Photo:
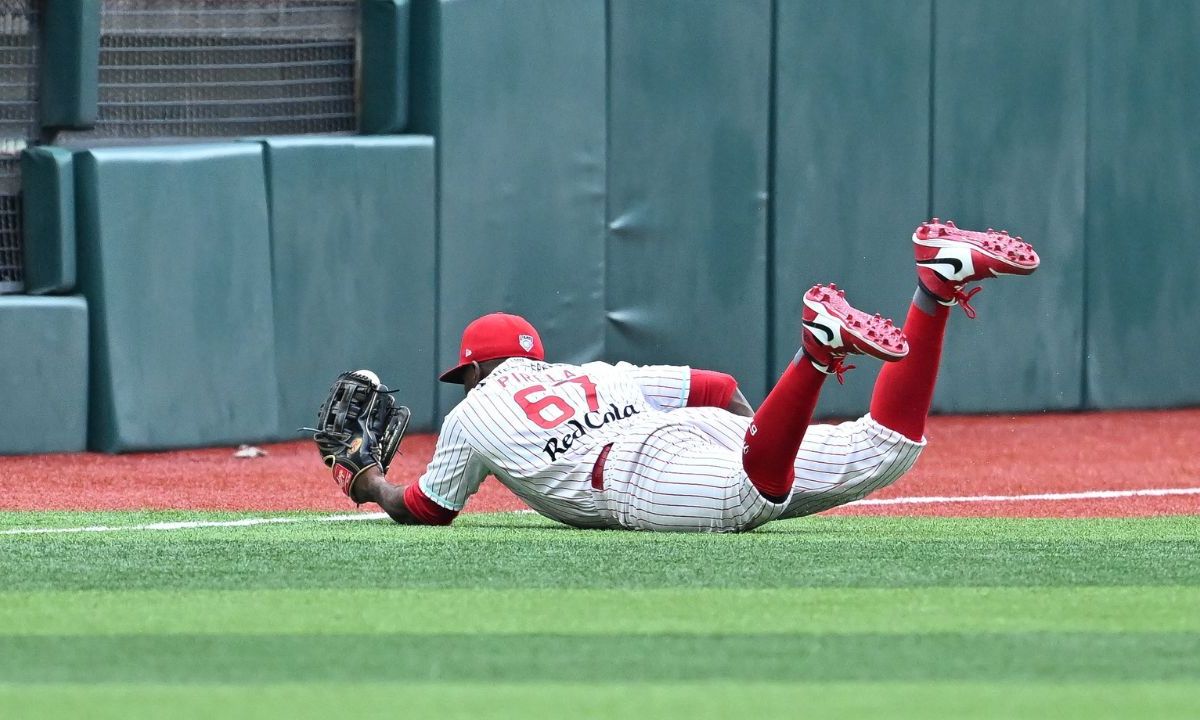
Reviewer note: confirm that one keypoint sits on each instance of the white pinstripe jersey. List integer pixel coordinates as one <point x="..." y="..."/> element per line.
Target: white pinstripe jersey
<point x="539" y="427"/>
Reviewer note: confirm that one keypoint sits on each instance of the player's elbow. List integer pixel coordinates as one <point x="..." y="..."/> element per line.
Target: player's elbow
<point x="407" y="517"/>
<point x="709" y="388"/>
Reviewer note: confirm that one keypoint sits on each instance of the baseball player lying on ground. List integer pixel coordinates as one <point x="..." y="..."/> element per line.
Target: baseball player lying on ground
<point x="663" y="447"/>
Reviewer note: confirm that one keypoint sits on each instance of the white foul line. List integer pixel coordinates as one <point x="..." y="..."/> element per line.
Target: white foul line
<point x="189" y="525"/>
<point x="1088" y="495"/>
<point x="933" y="499"/>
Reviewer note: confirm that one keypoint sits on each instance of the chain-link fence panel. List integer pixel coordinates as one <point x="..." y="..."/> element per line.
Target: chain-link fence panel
<point x="225" y="68"/>
<point x="18" y="125"/>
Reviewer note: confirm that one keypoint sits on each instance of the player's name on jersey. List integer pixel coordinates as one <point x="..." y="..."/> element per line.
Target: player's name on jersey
<point x="591" y="421"/>
<point x="551" y="374"/>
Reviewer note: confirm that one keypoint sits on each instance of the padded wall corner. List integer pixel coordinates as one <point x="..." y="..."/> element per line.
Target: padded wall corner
<point x="48" y="198"/>
<point x="385" y="51"/>
<point x="70" y="68"/>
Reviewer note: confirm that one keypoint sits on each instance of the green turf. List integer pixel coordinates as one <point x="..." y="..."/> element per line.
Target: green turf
<point x="691" y="701"/>
<point x="523" y="551"/>
<point x="240" y="659"/>
<point x="512" y="616"/>
<point x="697" y="611"/>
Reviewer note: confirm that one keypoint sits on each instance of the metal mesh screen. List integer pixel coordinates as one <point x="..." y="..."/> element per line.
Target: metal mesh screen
<point x="18" y="125"/>
<point x="219" y="68"/>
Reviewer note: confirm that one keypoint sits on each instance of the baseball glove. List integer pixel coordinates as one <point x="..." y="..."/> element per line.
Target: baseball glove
<point x="358" y="426"/>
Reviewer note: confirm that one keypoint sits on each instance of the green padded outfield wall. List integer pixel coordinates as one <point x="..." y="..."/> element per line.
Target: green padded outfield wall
<point x="70" y="64"/>
<point x="352" y="247"/>
<point x="851" y="165"/>
<point x="48" y="200"/>
<point x="1143" y="209"/>
<point x="174" y="258"/>
<point x="689" y="92"/>
<point x="1009" y="136"/>
<point x="44" y="353"/>
<point x="515" y="92"/>
<point x="384" y="53"/>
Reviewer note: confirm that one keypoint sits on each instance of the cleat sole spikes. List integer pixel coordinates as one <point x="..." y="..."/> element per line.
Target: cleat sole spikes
<point x="998" y="245"/>
<point x="949" y="257"/>
<point x="857" y="332"/>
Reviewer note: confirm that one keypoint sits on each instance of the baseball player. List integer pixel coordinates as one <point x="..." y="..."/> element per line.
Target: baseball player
<point x="669" y="448"/>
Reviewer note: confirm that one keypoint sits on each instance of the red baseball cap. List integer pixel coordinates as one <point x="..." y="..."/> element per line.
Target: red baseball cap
<point x="495" y="336"/>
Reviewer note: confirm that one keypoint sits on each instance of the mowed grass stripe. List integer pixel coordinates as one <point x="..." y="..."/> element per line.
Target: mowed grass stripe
<point x="1174" y="527"/>
<point x="599" y="659"/>
<point x="699" y="611"/>
<point x="693" y="701"/>
<point x="507" y="551"/>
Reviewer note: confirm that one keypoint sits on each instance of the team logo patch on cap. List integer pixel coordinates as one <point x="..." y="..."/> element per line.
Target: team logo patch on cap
<point x="526" y="342"/>
<point x="467" y="352"/>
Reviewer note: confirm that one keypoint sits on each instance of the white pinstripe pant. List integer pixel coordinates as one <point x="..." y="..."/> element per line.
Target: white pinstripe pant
<point x="688" y="477"/>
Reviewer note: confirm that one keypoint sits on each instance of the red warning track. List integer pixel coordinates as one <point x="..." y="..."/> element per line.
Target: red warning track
<point x="967" y="456"/>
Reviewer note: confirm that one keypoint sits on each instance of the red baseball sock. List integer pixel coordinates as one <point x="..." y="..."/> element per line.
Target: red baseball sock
<point x="778" y="428"/>
<point x="904" y="389"/>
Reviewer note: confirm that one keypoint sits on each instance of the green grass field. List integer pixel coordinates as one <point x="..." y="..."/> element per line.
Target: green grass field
<point x="511" y="616"/>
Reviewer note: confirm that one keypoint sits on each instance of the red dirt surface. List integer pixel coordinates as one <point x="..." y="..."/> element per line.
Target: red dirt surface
<point x="994" y="455"/>
<point x="1053" y="453"/>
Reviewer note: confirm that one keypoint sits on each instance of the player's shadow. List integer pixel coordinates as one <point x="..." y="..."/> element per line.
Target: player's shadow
<point x="792" y="527"/>
<point x="522" y="526"/>
<point x="797" y="526"/>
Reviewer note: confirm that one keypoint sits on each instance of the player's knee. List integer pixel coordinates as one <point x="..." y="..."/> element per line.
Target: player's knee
<point x="774" y="485"/>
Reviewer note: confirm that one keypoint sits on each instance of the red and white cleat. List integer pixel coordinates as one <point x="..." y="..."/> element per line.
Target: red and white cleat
<point x="833" y="329"/>
<point x="948" y="258"/>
